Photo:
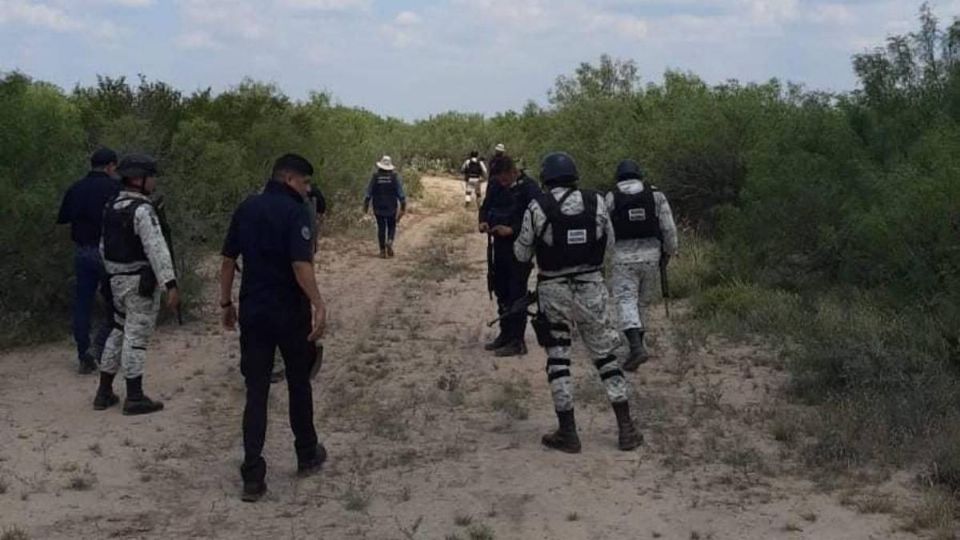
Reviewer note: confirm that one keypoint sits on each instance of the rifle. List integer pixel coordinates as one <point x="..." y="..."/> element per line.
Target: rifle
<point x="168" y="235"/>
<point x="664" y="282"/>
<point x="519" y="305"/>
<point x="491" y="277"/>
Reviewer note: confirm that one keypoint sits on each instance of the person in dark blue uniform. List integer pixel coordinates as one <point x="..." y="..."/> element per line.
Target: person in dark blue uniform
<point x="82" y="208"/>
<point x="278" y="300"/>
<point x="385" y="191"/>
<point x="501" y="216"/>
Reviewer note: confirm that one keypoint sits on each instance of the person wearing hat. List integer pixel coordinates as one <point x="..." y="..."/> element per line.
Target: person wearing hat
<point x="385" y="192"/>
<point x="280" y="308"/>
<point x="138" y="261"/>
<point x="645" y="231"/>
<point x="501" y="216"/>
<point x="82" y="208"/>
<point x="474" y="171"/>
<point x="568" y="230"/>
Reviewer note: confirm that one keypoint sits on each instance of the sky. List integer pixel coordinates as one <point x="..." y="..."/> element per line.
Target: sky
<point x="414" y="58"/>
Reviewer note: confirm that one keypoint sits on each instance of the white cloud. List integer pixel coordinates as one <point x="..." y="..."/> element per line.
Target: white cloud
<point x="407" y="18"/>
<point x="38" y="15"/>
<point x="325" y="5"/>
<point x="197" y="40"/>
<point x="626" y="26"/>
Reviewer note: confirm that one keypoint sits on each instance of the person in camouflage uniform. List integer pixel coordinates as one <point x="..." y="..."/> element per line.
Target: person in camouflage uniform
<point x="569" y="231"/>
<point x="645" y="231"/>
<point x="137" y="259"/>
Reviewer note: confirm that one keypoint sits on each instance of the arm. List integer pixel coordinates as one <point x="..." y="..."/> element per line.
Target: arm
<point x="228" y="270"/>
<point x="147" y="226"/>
<point x="300" y="250"/>
<point x="307" y="281"/>
<point x="368" y="195"/>
<point x="605" y="223"/>
<point x="523" y="247"/>
<point x="401" y="195"/>
<point x="667" y="226"/>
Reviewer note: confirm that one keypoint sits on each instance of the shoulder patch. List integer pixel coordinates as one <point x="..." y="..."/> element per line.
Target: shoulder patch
<point x="305" y="233"/>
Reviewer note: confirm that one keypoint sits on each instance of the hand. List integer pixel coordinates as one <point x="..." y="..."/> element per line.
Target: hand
<point x="319" y="323"/>
<point x="400" y="215"/>
<point x="173" y="299"/>
<point x="502" y="231"/>
<point x="229" y="317"/>
<point x="484" y="228"/>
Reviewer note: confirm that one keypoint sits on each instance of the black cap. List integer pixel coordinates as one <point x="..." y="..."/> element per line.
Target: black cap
<point x="629" y="169"/>
<point x="293" y="163"/>
<point x="103" y="157"/>
<point x="137" y="166"/>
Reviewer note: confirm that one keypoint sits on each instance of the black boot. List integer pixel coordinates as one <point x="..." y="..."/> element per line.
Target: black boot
<point x="254" y="480"/>
<point x="513" y="348"/>
<point x="87" y="365"/>
<point x="629" y="437"/>
<point x="498" y="342"/>
<point x="136" y="402"/>
<point x="565" y="437"/>
<point x="638" y="353"/>
<point x="390" y="250"/>
<point x="383" y="253"/>
<point x="105" y="397"/>
<point x="307" y="466"/>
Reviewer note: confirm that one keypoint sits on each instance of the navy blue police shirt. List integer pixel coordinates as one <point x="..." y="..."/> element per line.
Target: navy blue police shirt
<point x="270" y="231"/>
<point x="83" y="205"/>
<point x="506" y="205"/>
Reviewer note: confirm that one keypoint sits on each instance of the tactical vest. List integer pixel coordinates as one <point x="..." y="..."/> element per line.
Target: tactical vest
<point x="474" y="169"/>
<point x="120" y="241"/>
<point x="635" y="215"/>
<point x="575" y="240"/>
<point x="385" y="193"/>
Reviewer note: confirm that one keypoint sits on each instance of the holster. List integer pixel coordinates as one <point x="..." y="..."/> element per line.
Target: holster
<point x="543" y="327"/>
<point x="148" y="282"/>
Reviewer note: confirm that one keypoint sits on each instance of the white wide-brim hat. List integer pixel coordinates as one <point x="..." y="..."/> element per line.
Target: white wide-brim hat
<point x="500" y="148"/>
<point x="385" y="163"/>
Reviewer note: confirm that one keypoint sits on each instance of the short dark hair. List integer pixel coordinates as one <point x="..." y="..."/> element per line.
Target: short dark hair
<point x="294" y="163"/>
<point x="501" y="164"/>
<point x="102" y="157"/>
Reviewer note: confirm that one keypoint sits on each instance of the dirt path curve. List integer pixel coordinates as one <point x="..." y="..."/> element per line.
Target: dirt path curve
<point x="429" y="436"/>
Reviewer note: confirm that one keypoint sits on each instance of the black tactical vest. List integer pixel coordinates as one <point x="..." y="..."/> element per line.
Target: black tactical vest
<point x="575" y="240"/>
<point x="474" y="169"/>
<point x="385" y="193"/>
<point x="635" y="215"/>
<point x="120" y="241"/>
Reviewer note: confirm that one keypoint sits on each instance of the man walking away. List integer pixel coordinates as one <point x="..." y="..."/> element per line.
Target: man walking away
<point x="569" y="231"/>
<point x="137" y="258"/>
<point x="280" y="306"/>
<point x="501" y="217"/>
<point x="82" y="208"/>
<point x="474" y="171"/>
<point x="385" y="191"/>
<point x="645" y="232"/>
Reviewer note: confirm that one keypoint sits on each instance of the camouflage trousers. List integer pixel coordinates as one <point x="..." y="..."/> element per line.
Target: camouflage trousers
<point x="472" y="190"/>
<point x="634" y="287"/>
<point x="135" y="318"/>
<point x="568" y="303"/>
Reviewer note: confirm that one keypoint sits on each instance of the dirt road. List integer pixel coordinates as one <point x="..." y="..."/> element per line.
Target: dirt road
<point x="429" y="436"/>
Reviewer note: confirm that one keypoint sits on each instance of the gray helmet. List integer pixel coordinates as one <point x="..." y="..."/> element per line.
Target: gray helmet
<point x="558" y="168"/>
<point x="629" y="169"/>
<point x="137" y="166"/>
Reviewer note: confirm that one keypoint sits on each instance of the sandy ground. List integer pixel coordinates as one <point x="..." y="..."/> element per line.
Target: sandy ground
<point x="429" y="436"/>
